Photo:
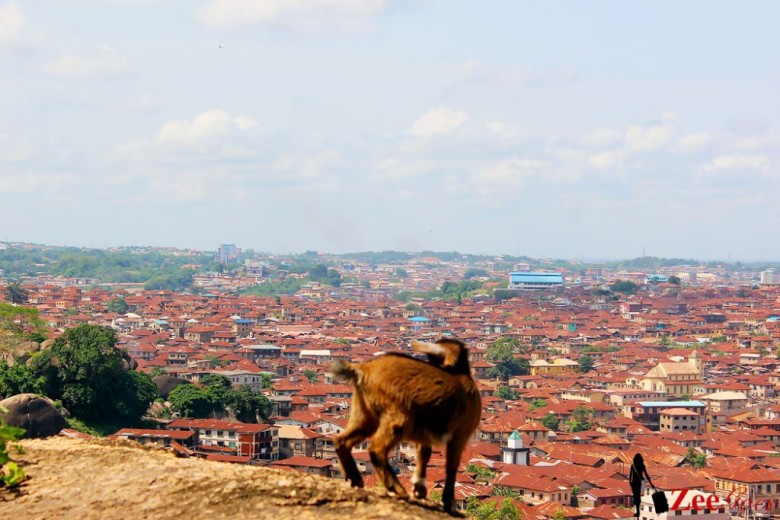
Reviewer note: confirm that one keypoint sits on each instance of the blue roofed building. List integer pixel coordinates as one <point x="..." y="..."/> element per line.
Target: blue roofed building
<point x="535" y="280"/>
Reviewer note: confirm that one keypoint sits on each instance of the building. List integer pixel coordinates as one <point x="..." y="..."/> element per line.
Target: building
<point x="535" y="281"/>
<point x="680" y="419"/>
<point x="649" y="412"/>
<point x="228" y="254"/>
<point x="676" y="379"/>
<point x="769" y="277"/>
<point x="558" y="366"/>
<point x="514" y="452"/>
<point x="256" y="441"/>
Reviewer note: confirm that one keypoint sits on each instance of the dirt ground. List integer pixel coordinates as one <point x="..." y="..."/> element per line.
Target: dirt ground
<point x="72" y="478"/>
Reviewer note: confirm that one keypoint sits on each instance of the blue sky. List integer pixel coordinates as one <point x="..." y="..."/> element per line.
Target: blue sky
<point x="580" y="129"/>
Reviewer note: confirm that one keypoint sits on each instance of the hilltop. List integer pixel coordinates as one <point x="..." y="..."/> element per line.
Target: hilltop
<point x="75" y="478"/>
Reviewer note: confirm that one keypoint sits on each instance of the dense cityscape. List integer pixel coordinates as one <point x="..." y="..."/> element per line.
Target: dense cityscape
<point x="579" y="365"/>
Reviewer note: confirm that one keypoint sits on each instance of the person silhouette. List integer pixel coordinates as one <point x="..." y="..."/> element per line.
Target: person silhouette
<point x="635" y="478"/>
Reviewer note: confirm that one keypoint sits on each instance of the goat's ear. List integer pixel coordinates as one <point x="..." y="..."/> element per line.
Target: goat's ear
<point x="438" y="355"/>
<point x="432" y="349"/>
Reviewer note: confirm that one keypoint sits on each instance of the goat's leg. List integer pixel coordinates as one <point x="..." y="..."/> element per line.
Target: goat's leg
<point x="418" y="480"/>
<point x="344" y="443"/>
<point x="454" y="450"/>
<point x="386" y="438"/>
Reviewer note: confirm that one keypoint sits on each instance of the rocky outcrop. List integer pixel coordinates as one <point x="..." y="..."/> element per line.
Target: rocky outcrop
<point x="101" y="479"/>
<point x="166" y="384"/>
<point x="36" y="414"/>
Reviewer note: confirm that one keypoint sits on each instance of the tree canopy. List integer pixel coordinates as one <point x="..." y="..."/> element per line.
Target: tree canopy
<point x="83" y="367"/>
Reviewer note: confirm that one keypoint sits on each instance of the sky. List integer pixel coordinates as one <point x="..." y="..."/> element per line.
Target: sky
<point x="563" y="129"/>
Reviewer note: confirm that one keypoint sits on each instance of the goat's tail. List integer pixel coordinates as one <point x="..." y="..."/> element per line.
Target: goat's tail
<point x="343" y="372"/>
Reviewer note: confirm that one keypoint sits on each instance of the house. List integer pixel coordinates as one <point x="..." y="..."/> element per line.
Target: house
<point x="256" y="441"/>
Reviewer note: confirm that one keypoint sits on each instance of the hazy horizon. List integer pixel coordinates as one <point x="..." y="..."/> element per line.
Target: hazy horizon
<point x="544" y="129"/>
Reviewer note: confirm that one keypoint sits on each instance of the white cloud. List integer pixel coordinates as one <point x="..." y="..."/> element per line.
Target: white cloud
<point x="104" y="61"/>
<point x="504" y="175"/>
<point x="203" y="128"/>
<point x="438" y="121"/>
<point x="645" y="138"/>
<point x="297" y="13"/>
<point x="692" y="143"/>
<point x="600" y="137"/>
<point x="503" y="131"/>
<point x="606" y="159"/>
<point x="738" y="162"/>
<point x="11" y="24"/>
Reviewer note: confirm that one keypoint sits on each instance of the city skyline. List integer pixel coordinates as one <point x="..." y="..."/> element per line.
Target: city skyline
<point x="552" y="130"/>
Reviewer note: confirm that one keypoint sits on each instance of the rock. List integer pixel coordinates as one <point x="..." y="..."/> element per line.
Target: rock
<point x="36" y="414"/>
<point x="165" y="384"/>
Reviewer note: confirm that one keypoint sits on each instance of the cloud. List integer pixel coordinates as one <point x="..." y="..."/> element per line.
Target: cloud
<point x="738" y="162"/>
<point x="505" y="175"/>
<point x="645" y="138"/>
<point x="206" y="127"/>
<point x="607" y="159"/>
<point x="301" y="14"/>
<point x="438" y="121"/>
<point x="11" y="24"/>
<point x="600" y="137"/>
<point x="105" y="61"/>
<point x="692" y="143"/>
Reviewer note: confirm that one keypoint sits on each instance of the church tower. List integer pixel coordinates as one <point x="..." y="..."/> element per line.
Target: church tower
<point x="513" y="452"/>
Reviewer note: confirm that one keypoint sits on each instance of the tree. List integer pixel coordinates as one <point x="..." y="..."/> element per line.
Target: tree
<point x="674" y="280"/>
<point x="537" y="403"/>
<point x="501" y="354"/>
<point x="311" y="375"/>
<point x="117" y="305"/>
<point x="696" y="459"/>
<point x="624" y="286"/>
<point x="157" y="371"/>
<point x="586" y="364"/>
<point x="508" y="393"/>
<point x="19" y="324"/>
<point x="16" y="293"/>
<point x="550" y="421"/>
<point x="506" y="510"/>
<point x="92" y="377"/>
<point x="247" y="404"/>
<point x="18" y="379"/>
<point x="190" y="401"/>
<point x="581" y="419"/>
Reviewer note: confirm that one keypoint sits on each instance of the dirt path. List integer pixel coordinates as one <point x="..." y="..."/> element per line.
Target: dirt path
<point x="77" y="479"/>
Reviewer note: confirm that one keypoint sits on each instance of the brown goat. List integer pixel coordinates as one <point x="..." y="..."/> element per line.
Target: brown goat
<point x="398" y="397"/>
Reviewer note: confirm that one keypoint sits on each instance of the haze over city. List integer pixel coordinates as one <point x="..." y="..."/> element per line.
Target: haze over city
<point x="548" y="129"/>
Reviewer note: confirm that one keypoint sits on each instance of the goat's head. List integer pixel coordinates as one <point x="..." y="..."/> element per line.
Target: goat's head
<point x="448" y="354"/>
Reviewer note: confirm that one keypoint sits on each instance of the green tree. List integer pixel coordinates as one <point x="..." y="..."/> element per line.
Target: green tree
<point x="581" y="419"/>
<point x="537" y="403"/>
<point x="586" y="364"/>
<point x="190" y="401"/>
<point x="508" y="393"/>
<point x="311" y="375"/>
<point x="117" y="305"/>
<point x="550" y="421"/>
<point x="91" y="376"/>
<point x="11" y="474"/>
<point x="247" y="404"/>
<point x="624" y="286"/>
<point x="19" y="379"/>
<point x="506" y="510"/>
<point x="696" y="459"/>
<point x="157" y="371"/>
<point x="501" y="354"/>
<point x="675" y="280"/>
<point x="18" y="323"/>
<point x="16" y="293"/>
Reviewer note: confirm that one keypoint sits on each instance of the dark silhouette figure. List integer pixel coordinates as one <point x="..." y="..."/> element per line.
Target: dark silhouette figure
<point x="637" y="473"/>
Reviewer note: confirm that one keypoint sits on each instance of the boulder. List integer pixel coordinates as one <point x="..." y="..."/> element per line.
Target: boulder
<point x="36" y="414"/>
<point x="165" y="384"/>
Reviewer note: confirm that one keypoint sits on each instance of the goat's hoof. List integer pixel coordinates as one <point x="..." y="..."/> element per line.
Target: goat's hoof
<point x="420" y="491"/>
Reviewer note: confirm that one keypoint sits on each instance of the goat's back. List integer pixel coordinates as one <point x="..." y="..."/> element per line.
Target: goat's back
<point x="441" y="403"/>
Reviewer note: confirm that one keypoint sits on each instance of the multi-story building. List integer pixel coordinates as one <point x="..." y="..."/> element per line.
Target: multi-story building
<point x="257" y="441"/>
<point x="228" y="254"/>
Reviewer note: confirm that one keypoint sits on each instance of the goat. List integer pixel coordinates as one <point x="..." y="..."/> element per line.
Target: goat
<point x="398" y="397"/>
